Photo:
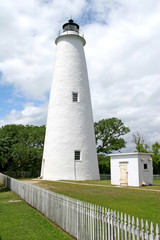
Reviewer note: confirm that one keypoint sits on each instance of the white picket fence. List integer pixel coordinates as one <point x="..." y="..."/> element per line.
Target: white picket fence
<point x="84" y="221"/>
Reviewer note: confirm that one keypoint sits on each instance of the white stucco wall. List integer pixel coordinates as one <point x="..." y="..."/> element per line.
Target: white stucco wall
<point x="146" y="175"/>
<point x="135" y="167"/>
<point x="70" y="124"/>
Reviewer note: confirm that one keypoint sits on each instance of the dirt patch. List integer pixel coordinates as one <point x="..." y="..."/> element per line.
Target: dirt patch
<point x="12" y="201"/>
<point x="31" y="181"/>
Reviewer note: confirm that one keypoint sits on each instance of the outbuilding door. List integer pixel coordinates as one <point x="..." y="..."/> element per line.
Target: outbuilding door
<point x="123" y="174"/>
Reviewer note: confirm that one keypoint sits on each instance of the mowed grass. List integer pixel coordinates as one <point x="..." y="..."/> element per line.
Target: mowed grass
<point x="19" y="221"/>
<point x="143" y="202"/>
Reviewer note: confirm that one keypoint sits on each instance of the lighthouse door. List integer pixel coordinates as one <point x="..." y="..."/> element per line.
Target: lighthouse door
<point x="123" y="174"/>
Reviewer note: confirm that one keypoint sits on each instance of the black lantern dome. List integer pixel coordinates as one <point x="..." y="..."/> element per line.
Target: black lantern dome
<point x="70" y="26"/>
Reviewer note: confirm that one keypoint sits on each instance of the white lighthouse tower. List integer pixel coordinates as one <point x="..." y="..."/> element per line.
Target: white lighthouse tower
<point x="70" y="149"/>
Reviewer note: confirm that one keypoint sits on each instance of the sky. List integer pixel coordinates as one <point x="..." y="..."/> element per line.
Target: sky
<point x="122" y="53"/>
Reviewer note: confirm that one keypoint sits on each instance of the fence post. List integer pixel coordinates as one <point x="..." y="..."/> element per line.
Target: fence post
<point x="111" y="213"/>
<point x="97" y="222"/>
<point x="118" y="226"/>
<point x="147" y="231"/>
<point x="133" y="228"/>
<point x="91" y="221"/>
<point x="122" y="234"/>
<point x="103" y="224"/>
<point x="109" y="232"/>
<point x="142" y="229"/>
<point x="152" y="232"/>
<point x="157" y="232"/>
<point x="100" y="222"/>
<point x="129" y="227"/>
<point x="125" y="227"/>
<point x="77" y="220"/>
<point x="137" y="230"/>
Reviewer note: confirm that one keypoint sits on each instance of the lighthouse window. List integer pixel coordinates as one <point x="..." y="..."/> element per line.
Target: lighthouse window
<point x="77" y="155"/>
<point x="74" y="96"/>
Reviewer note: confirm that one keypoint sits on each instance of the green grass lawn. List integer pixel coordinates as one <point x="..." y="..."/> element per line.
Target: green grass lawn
<point x="136" y="202"/>
<point x="19" y="221"/>
<point x="108" y="183"/>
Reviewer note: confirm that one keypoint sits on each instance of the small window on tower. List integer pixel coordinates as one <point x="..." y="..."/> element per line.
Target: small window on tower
<point x="75" y="96"/>
<point x="77" y="155"/>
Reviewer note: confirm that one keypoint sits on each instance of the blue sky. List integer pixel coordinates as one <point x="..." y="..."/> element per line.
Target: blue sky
<point x="122" y="53"/>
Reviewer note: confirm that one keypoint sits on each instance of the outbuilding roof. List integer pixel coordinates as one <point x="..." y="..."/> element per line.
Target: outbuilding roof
<point x="127" y="154"/>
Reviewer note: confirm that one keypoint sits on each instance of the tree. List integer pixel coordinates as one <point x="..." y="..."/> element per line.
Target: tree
<point x="156" y="148"/>
<point x="141" y="146"/>
<point x="5" y="152"/>
<point x="108" y="135"/>
<point x="138" y="139"/>
<point x="21" y="148"/>
<point x="104" y="164"/>
<point x="156" y="158"/>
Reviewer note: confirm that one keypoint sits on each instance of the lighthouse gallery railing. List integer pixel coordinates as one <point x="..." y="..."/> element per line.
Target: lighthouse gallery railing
<point x="79" y="33"/>
<point x="84" y="221"/>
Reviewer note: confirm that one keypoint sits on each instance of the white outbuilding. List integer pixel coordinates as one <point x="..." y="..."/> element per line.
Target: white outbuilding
<point x="131" y="169"/>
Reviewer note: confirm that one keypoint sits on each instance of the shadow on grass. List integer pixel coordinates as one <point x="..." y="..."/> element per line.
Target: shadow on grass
<point x="3" y="189"/>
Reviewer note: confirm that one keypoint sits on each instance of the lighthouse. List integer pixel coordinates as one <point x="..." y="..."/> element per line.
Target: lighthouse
<point x="70" y="148"/>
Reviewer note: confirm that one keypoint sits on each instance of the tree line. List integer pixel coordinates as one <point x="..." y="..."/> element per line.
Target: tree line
<point x="21" y="147"/>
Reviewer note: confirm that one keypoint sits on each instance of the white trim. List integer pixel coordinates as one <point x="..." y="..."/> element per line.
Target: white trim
<point x="70" y="35"/>
<point x="126" y="154"/>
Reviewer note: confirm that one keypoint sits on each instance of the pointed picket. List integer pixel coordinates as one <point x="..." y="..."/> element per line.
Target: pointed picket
<point x="157" y="232"/>
<point x="147" y="231"/>
<point x="152" y="231"/>
<point x="125" y="226"/>
<point x="118" y="226"/>
<point x="122" y="226"/>
<point x="137" y="229"/>
<point x="106" y="223"/>
<point x="103" y="226"/>
<point x="133" y="228"/>
<point x="142" y="230"/>
<point x="111" y="224"/>
<point x="115" y="225"/>
<point x="129" y="227"/>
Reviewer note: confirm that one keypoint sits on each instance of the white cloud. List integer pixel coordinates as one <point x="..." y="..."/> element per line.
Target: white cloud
<point x="29" y="29"/>
<point x="123" y="62"/>
<point x="30" y="114"/>
<point x="122" y="54"/>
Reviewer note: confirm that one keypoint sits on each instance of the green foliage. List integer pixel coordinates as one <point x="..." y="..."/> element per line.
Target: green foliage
<point x="141" y="146"/>
<point x="104" y="164"/>
<point x="108" y="135"/>
<point x="156" y="148"/>
<point x="5" y="151"/>
<point x="21" y="148"/>
<point x="156" y="158"/>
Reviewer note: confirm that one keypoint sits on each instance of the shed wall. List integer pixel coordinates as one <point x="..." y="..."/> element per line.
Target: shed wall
<point x="137" y="175"/>
<point x="146" y="175"/>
